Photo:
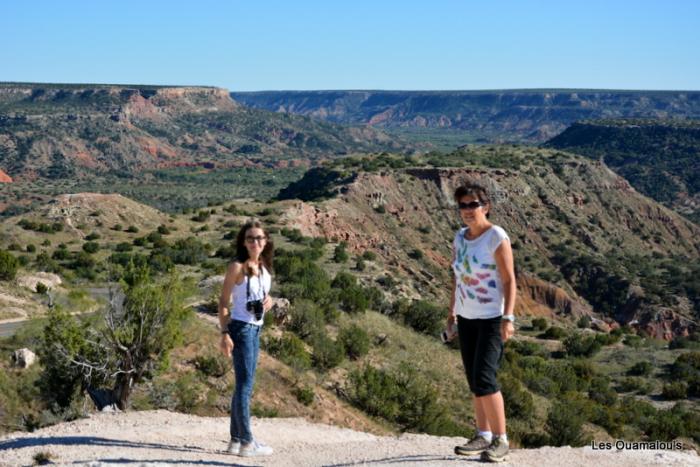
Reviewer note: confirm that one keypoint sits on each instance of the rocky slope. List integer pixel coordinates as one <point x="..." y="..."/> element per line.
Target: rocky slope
<point x="660" y="158"/>
<point x="584" y="239"/>
<point x="162" y="438"/>
<point x="64" y="131"/>
<point x="507" y="115"/>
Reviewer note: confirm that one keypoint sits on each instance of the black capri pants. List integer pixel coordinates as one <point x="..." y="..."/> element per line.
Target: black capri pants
<point x="482" y="349"/>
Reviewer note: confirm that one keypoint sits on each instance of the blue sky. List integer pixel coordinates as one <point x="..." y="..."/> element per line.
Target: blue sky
<point x="432" y="44"/>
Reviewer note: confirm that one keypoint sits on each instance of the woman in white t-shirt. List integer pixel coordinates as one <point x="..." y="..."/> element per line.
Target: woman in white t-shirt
<point x="483" y="297"/>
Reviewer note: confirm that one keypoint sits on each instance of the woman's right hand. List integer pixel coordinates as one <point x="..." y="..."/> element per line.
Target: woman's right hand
<point x="226" y="345"/>
<point x="451" y="319"/>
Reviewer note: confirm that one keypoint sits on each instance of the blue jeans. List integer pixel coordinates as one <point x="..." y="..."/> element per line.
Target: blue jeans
<point x="246" y="345"/>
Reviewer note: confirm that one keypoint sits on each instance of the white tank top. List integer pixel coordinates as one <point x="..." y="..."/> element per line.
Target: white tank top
<point x="259" y="288"/>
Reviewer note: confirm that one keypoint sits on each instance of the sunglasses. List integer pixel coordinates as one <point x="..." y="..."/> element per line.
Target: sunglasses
<point x="259" y="239"/>
<point x="471" y="205"/>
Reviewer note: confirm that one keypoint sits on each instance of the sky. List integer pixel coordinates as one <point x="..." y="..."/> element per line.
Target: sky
<point x="405" y="45"/>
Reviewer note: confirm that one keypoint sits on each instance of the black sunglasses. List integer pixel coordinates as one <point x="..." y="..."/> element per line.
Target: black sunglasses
<point x="470" y="205"/>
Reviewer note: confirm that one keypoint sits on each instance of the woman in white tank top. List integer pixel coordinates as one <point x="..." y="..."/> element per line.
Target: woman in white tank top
<point x="245" y="297"/>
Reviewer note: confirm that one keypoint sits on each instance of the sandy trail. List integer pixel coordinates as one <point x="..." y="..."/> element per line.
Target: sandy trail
<point x="164" y="438"/>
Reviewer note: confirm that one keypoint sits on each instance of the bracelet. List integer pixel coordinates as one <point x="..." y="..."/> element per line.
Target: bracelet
<point x="510" y="318"/>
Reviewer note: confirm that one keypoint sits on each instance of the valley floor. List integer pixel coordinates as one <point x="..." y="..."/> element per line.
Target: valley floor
<point x="166" y="438"/>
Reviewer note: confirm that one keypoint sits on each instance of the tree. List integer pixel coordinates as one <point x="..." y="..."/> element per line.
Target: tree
<point x="141" y="325"/>
<point x="8" y="266"/>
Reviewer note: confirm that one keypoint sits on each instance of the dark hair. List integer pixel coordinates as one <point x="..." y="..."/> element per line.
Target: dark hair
<point x="472" y="189"/>
<point x="242" y="251"/>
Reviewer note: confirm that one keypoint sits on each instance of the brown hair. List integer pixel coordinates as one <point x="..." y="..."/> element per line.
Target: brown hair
<point x="242" y="251"/>
<point x="478" y="191"/>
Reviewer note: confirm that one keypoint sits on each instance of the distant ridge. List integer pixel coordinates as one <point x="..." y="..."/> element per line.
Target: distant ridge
<point x="510" y="115"/>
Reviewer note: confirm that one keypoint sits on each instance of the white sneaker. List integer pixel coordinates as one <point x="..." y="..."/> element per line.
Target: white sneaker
<point x="234" y="447"/>
<point x="255" y="449"/>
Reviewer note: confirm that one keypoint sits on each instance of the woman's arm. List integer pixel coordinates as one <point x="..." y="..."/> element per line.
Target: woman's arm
<point x="452" y="315"/>
<point x="506" y="270"/>
<point x="232" y="275"/>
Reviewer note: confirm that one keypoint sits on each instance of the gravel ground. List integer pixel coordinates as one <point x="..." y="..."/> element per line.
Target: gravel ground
<point x="163" y="438"/>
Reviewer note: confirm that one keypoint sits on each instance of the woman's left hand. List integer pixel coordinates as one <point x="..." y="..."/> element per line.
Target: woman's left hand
<point x="267" y="303"/>
<point x="507" y="330"/>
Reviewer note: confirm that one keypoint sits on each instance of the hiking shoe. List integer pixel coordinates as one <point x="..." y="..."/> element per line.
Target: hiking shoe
<point x="473" y="446"/>
<point x="254" y="448"/>
<point x="234" y="447"/>
<point x="496" y="452"/>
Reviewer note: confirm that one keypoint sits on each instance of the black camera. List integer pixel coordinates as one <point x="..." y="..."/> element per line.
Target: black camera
<point x="255" y="307"/>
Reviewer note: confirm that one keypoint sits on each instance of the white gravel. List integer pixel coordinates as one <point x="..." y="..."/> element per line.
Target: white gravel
<point x="164" y="438"/>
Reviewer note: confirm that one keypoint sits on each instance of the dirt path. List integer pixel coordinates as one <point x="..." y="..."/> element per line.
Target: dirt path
<point x="164" y="438"/>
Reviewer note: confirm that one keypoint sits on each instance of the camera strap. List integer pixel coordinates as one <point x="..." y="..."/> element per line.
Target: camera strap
<point x="260" y="282"/>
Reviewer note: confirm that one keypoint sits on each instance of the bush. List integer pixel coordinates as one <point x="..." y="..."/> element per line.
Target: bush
<point x="415" y="254"/>
<point x="307" y="319"/>
<point x="554" y="333"/>
<point x="675" y="390"/>
<point x="425" y="317"/>
<point x="91" y="247"/>
<point x="304" y="394"/>
<point x="401" y="396"/>
<point x="518" y="401"/>
<point x="584" y="322"/>
<point x="340" y="255"/>
<point x="564" y="424"/>
<point x="92" y="236"/>
<point x="643" y="368"/>
<point x="369" y="255"/>
<point x="211" y="365"/>
<point x="539" y="324"/>
<point x="30" y="248"/>
<point x="327" y="353"/>
<point x="578" y="345"/>
<point x="8" y="266"/>
<point x="132" y="229"/>
<point x="355" y="341"/>
<point x="41" y="288"/>
<point x="360" y="265"/>
<point x="289" y="349"/>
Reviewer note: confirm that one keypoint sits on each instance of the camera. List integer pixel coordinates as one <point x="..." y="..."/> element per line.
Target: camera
<point x="255" y="307"/>
<point x="449" y="333"/>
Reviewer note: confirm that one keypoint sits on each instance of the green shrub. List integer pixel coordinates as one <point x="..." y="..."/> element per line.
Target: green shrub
<point x="30" y="248"/>
<point x="360" y="265"/>
<point x="554" y="333"/>
<point x="306" y="319"/>
<point x="518" y="401"/>
<point x="211" y="365"/>
<point x="289" y="349"/>
<point x="643" y="368"/>
<point x="8" y="266"/>
<point x="564" y="424"/>
<point x="187" y="392"/>
<point x="415" y="254"/>
<point x="675" y="390"/>
<point x="132" y="229"/>
<point x="340" y="254"/>
<point x="355" y="341"/>
<point x="92" y="236"/>
<point x="304" y="394"/>
<point x="369" y="255"/>
<point x="327" y="353"/>
<point x="41" y="288"/>
<point x="584" y="322"/>
<point x="539" y="324"/>
<point x="380" y="209"/>
<point x="402" y="396"/>
<point x="91" y="247"/>
<point x="424" y="317"/>
<point x="579" y="345"/>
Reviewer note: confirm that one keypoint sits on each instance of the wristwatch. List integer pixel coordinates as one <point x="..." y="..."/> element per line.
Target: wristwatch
<point x="224" y="331"/>
<point x="510" y="318"/>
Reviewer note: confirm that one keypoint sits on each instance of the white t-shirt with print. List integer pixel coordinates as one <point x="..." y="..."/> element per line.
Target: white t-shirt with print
<point x="479" y="289"/>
